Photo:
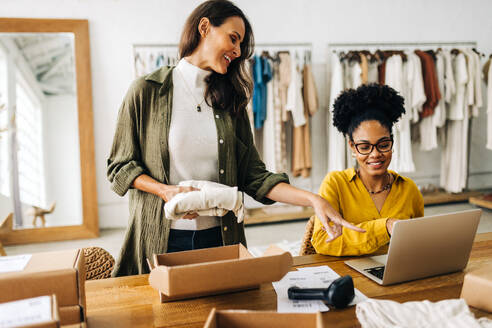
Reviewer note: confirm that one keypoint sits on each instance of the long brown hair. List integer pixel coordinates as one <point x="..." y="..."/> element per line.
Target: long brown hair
<point x="230" y="91"/>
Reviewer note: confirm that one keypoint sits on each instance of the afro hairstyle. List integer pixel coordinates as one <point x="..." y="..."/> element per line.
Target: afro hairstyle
<point x="366" y="103"/>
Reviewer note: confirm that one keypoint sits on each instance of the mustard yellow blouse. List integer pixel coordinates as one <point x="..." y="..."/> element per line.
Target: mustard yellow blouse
<point x="347" y="194"/>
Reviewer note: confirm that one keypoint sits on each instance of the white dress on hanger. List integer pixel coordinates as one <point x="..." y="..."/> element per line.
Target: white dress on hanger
<point x="336" y="140"/>
<point x="295" y="102"/>
<point x="394" y="78"/>
<point x="454" y="155"/>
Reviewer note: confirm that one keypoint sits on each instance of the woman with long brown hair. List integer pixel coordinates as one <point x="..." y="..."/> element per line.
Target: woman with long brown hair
<point x="207" y="137"/>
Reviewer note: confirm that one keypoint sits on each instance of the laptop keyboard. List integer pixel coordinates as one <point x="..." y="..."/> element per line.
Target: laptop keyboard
<point x="377" y="271"/>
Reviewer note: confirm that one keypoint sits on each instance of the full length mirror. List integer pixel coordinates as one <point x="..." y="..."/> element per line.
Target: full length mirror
<point x="39" y="169"/>
<point x="47" y="181"/>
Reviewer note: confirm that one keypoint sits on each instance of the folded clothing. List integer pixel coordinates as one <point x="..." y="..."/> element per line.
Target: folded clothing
<point x="448" y="313"/>
<point x="213" y="199"/>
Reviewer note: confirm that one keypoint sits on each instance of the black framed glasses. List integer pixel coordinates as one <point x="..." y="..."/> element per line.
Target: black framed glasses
<point x="383" y="146"/>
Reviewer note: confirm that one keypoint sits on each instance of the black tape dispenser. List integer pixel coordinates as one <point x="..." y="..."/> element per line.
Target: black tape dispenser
<point x="339" y="294"/>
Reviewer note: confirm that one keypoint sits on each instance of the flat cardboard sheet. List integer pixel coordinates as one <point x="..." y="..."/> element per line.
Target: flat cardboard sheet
<point x="262" y="319"/>
<point x="215" y="270"/>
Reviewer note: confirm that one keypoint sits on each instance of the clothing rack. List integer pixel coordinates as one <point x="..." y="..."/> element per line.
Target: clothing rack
<point x="167" y="53"/>
<point x="372" y="46"/>
<point x="351" y="46"/>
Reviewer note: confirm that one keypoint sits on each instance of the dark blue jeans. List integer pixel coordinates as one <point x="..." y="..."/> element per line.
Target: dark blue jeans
<point x="185" y="240"/>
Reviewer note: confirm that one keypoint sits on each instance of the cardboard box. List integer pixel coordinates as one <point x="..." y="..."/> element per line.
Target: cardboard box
<point x="262" y="319"/>
<point x="477" y="288"/>
<point x="70" y="315"/>
<point x="216" y="270"/>
<point x="61" y="273"/>
<point x="30" y="313"/>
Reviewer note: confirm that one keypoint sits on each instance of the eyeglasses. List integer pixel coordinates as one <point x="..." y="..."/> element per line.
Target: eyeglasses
<point x="383" y="146"/>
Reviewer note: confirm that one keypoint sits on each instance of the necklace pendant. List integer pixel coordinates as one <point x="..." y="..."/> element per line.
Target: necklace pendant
<point x="198" y="108"/>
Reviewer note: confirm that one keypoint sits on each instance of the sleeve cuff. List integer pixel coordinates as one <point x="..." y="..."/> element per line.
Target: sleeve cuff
<point x="267" y="185"/>
<point x="380" y="232"/>
<point x="125" y="177"/>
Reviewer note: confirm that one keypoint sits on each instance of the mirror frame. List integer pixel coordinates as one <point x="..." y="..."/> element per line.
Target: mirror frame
<point x="90" y="222"/>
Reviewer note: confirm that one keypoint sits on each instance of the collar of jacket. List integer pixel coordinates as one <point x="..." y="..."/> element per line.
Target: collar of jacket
<point x="163" y="76"/>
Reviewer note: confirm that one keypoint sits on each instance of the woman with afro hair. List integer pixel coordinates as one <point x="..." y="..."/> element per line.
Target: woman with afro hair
<point x="370" y="196"/>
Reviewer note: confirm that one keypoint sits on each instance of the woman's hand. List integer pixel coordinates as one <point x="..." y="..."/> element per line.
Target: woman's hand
<point x="167" y="192"/>
<point x="332" y="220"/>
<point x="390" y="223"/>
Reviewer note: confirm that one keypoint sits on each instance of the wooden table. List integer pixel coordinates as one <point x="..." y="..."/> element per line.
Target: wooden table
<point x="131" y="302"/>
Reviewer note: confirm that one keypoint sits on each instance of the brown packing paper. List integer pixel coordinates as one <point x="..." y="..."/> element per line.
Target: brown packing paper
<point x="61" y="273"/>
<point x="70" y="315"/>
<point x="477" y="288"/>
<point x="261" y="319"/>
<point x="215" y="270"/>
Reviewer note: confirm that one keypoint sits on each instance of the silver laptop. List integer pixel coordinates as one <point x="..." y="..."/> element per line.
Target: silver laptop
<point x="423" y="247"/>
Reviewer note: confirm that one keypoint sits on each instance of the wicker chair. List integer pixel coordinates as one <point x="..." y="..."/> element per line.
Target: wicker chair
<point x="98" y="263"/>
<point x="306" y="246"/>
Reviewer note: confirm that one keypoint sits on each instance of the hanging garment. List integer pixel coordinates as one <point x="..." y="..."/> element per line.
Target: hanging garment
<point x="372" y="72"/>
<point x="477" y="83"/>
<point x="262" y="74"/>
<point x="455" y="152"/>
<point x="269" y="154"/>
<point x="394" y="78"/>
<point x="440" y="110"/>
<point x="301" y="138"/>
<point x="285" y="75"/>
<point x="416" y="86"/>
<point x="280" y="137"/>
<point x="336" y="140"/>
<point x="489" y="107"/>
<point x="485" y="71"/>
<point x="457" y="105"/>
<point x="431" y="87"/>
<point x="449" y="81"/>
<point x="354" y="81"/>
<point x="294" y="95"/>
<point x="364" y="68"/>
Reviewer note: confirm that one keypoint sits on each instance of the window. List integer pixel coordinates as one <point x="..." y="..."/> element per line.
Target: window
<point x="4" y="163"/>
<point x="30" y="161"/>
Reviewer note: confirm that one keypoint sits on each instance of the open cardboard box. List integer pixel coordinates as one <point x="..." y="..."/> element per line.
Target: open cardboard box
<point x="262" y="319"/>
<point x="29" y="313"/>
<point x="61" y="273"/>
<point x="216" y="270"/>
<point x="477" y="288"/>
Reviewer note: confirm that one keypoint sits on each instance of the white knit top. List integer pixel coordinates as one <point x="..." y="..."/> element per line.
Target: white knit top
<point x="193" y="147"/>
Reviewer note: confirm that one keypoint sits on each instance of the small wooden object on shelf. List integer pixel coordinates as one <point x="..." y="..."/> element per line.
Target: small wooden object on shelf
<point x="6" y="225"/>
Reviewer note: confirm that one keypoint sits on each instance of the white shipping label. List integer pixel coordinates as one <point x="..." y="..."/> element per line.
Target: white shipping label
<point x="14" y="263"/>
<point x="26" y="312"/>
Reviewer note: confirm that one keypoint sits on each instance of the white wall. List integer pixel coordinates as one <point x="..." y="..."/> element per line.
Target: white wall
<point x="117" y="24"/>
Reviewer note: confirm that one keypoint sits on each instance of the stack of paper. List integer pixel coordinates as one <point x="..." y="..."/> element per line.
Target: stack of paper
<point x="309" y="277"/>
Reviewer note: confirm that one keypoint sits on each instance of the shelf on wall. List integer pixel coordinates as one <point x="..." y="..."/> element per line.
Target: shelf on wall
<point x="283" y="213"/>
<point x="481" y="201"/>
<point x="442" y="197"/>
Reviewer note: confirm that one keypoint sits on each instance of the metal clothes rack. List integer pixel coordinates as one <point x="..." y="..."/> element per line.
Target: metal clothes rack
<point x="371" y="46"/>
<point x="161" y="54"/>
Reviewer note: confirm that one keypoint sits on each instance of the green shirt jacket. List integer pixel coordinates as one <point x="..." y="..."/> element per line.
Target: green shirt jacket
<point x="140" y="146"/>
